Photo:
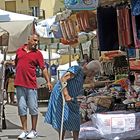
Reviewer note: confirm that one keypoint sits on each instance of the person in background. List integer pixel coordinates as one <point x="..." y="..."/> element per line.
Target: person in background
<point x="85" y="60"/>
<point x="71" y="86"/>
<point x="28" y="57"/>
<point x="10" y="88"/>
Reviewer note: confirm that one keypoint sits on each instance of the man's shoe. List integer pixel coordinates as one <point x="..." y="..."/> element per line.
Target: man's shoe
<point x="32" y="134"/>
<point x="23" y="135"/>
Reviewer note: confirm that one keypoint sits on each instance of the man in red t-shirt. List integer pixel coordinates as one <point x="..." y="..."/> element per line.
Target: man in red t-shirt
<point x="28" y="57"/>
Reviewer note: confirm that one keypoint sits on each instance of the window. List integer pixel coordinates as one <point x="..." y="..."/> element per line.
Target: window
<point x="35" y="11"/>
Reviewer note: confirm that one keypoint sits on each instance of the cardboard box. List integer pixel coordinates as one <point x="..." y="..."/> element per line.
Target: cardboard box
<point x="116" y="122"/>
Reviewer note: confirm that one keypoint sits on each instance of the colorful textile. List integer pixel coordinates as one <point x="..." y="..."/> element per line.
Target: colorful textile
<point x="81" y="4"/>
<point x="124" y="30"/>
<point x="124" y="82"/>
<point x="136" y="30"/>
<point x="53" y="69"/>
<point x="71" y="109"/>
<point x="135" y="65"/>
<point x="135" y="7"/>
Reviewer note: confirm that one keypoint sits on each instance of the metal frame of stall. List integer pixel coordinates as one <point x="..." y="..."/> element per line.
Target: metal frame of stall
<point x="4" y="39"/>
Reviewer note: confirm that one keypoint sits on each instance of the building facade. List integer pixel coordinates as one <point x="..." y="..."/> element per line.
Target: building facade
<point x="40" y="8"/>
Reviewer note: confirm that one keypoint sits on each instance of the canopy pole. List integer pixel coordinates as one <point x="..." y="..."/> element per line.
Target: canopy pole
<point x="49" y="54"/>
<point x="127" y="54"/>
<point x="69" y="48"/>
<point x="2" y="92"/>
<point x="81" y="51"/>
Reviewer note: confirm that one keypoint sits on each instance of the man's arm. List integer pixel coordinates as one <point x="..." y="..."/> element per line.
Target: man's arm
<point x="47" y="78"/>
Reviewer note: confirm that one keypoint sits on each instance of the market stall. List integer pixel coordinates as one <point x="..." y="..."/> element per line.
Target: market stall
<point x="113" y="21"/>
<point x="14" y="31"/>
<point x="51" y="35"/>
<point x="116" y="34"/>
<point x="19" y="26"/>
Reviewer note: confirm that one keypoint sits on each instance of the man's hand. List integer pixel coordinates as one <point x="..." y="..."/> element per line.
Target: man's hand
<point x="50" y="86"/>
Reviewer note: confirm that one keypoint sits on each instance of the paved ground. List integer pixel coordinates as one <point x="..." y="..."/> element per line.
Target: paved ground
<point x="45" y="131"/>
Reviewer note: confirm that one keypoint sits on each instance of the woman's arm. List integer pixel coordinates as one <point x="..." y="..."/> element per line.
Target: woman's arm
<point x="64" y="80"/>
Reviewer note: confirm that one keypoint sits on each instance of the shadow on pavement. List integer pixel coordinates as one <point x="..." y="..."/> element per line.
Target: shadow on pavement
<point x="68" y="133"/>
<point x="10" y="125"/>
<point x="43" y="113"/>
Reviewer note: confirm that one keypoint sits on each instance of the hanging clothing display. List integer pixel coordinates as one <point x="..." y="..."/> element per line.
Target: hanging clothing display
<point x="86" y="21"/>
<point x="53" y="69"/>
<point x="81" y="4"/>
<point x="135" y="4"/>
<point x="124" y="26"/>
<point x="132" y="52"/>
<point x="107" y="28"/>
<point x="69" y="31"/>
<point x="56" y="30"/>
<point x="136" y="30"/>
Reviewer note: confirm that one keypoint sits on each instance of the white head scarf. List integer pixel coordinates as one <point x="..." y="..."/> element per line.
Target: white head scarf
<point x="95" y="66"/>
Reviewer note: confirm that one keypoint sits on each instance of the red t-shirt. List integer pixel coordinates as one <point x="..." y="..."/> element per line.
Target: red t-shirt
<point x="26" y="64"/>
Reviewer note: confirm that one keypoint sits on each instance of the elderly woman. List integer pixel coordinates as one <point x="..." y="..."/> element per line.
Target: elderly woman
<point x="71" y="86"/>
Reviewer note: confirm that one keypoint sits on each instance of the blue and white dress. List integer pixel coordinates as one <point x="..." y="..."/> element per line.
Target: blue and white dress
<point x="71" y="109"/>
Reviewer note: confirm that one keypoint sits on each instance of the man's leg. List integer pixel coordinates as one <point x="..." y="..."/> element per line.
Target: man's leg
<point x="33" y="107"/>
<point x="23" y="120"/>
<point x="34" y="119"/>
<point x="33" y="110"/>
<point x="22" y="110"/>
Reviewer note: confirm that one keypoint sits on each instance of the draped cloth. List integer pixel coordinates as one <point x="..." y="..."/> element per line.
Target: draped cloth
<point x="135" y="4"/>
<point x="124" y="26"/>
<point x="136" y="30"/>
<point x="107" y="28"/>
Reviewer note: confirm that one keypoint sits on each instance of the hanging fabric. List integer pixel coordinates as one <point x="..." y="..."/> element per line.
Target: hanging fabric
<point x="69" y="31"/>
<point x="124" y="26"/>
<point x="86" y="21"/>
<point x="107" y="28"/>
<point x="110" y="2"/>
<point x="53" y="69"/>
<point x="81" y="4"/>
<point x="56" y="30"/>
<point x="136" y="30"/>
<point x="135" y="7"/>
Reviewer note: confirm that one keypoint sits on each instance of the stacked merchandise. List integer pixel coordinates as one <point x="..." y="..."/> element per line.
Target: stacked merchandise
<point x="112" y="126"/>
<point x="120" y="66"/>
<point x="108" y="112"/>
<point x="114" y="63"/>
